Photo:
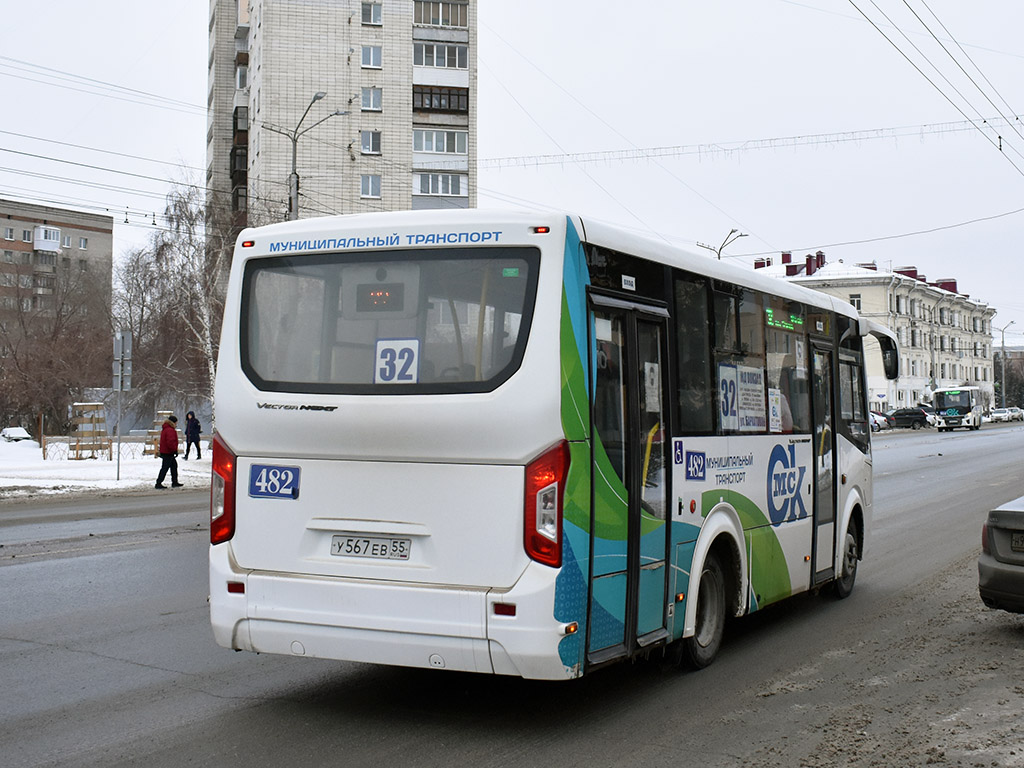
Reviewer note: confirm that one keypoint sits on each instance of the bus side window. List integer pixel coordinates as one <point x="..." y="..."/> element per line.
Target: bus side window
<point x="787" y="373"/>
<point x="786" y="338"/>
<point x="853" y="415"/>
<point x="692" y="331"/>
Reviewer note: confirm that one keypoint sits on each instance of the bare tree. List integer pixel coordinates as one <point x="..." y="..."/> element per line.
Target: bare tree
<point x="55" y="342"/>
<point x="171" y="296"/>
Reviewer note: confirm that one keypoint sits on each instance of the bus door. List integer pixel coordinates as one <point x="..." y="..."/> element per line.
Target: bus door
<point x="629" y="521"/>
<point x="824" y="463"/>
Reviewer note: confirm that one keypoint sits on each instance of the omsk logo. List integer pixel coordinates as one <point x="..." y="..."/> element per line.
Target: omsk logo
<point x="785" y="479"/>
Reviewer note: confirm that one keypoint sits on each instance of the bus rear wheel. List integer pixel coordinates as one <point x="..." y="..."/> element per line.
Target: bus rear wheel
<point x="700" y="650"/>
<point x="844" y="584"/>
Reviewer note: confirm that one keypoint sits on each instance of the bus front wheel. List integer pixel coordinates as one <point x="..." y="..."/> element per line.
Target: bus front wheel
<point x="700" y="650"/>
<point x="844" y="584"/>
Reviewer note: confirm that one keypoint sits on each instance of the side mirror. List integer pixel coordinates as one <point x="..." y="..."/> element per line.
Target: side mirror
<point x="891" y="361"/>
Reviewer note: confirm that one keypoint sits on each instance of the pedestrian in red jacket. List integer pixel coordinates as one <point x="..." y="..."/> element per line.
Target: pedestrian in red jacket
<point x="169" y="453"/>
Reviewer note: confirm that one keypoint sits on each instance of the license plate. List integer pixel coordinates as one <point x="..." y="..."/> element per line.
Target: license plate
<point x="1017" y="542"/>
<point x="273" y="482"/>
<point x="376" y="547"/>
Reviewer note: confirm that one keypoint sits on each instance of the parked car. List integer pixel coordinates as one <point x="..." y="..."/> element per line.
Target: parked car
<point x="1016" y="414"/>
<point x="915" y="418"/>
<point x="880" y="421"/>
<point x="1001" y="563"/>
<point x="13" y="434"/>
<point x="999" y="414"/>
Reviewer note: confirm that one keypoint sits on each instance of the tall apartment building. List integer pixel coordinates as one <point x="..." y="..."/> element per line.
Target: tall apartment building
<point x="44" y="251"/>
<point x="945" y="336"/>
<point x="372" y="104"/>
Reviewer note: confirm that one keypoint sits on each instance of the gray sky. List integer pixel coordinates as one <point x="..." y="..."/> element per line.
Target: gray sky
<point x="795" y="122"/>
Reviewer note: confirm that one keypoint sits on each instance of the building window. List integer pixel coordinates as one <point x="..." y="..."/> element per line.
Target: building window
<point x="9" y="257"/>
<point x="9" y="233"/>
<point x="83" y="265"/>
<point x="239" y="199"/>
<point x="371" y="14"/>
<point x="83" y="243"/>
<point x="370" y="142"/>
<point x="241" y="77"/>
<point x="443" y="142"/>
<point x="26" y="257"/>
<point x="443" y="184"/>
<point x="26" y="235"/>
<point x="369" y="185"/>
<point x="239" y="159"/>
<point x="66" y="241"/>
<point x="372" y="57"/>
<point x="442" y="14"/>
<point x="855" y="300"/>
<point x="46" y="259"/>
<point x="372" y="99"/>
<point x="441" y="56"/>
<point x="426" y="98"/>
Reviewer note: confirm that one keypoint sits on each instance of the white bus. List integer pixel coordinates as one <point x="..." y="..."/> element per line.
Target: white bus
<point x="957" y="407"/>
<point x="524" y="444"/>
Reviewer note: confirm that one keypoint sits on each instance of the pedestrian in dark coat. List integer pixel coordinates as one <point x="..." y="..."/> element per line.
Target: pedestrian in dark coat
<point x="169" y="453"/>
<point x="192" y="430"/>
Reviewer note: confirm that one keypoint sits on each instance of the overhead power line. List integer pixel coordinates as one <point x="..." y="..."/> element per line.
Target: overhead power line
<point x="931" y="82"/>
<point x="720" y="149"/>
<point x="94" y="87"/>
<point x="883" y="238"/>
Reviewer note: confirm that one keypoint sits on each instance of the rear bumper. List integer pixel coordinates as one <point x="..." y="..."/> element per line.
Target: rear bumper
<point x="401" y="624"/>
<point x="1001" y="585"/>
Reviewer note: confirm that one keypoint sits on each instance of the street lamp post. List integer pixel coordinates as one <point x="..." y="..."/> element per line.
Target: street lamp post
<point x="732" y="237"/>
<point x="293" y="135"/>
<point x="1002" y="387"/>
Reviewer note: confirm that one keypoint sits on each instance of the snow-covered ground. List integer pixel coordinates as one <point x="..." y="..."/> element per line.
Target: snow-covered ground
<point x="23" y="472"/>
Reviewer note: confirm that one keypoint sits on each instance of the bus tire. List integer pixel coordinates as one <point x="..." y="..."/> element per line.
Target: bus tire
<point x="700" y="650"/>
<point x="843" y="585"/>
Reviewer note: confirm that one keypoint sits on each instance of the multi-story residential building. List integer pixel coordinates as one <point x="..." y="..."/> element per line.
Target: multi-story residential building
<point x="44" y="253"/>
<point x="354" y="106"/>
<point x="945" y="336"/>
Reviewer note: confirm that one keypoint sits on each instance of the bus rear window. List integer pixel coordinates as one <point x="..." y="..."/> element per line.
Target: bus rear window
<point x="417" y="321"/>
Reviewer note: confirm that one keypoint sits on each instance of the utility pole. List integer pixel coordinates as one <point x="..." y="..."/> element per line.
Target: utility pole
<point x="1002" y="386"/>
<point x="122" y="379"/>
<point x="732" y="237"/>
<point x="293" y="135"/>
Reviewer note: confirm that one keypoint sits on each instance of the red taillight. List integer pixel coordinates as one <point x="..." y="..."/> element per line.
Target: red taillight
<point x="222" y="493"/>
<point x="542" y="519"/>
<point x="984" y="539"/>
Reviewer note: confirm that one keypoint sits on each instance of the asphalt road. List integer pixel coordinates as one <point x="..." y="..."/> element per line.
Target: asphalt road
<point x="107" y="657"/>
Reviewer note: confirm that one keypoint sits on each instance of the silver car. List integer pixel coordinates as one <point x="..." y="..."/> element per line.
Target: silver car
<point x="1001" y="563"/>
